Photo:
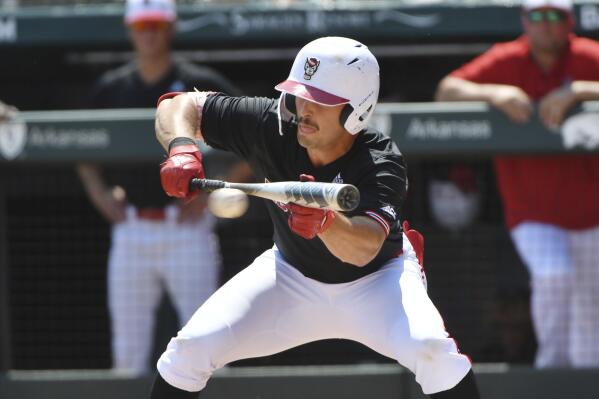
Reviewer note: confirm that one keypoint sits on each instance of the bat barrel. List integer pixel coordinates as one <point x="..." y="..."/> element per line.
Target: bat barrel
<point x="339" y="197"/>
<point x="206" y="184"/>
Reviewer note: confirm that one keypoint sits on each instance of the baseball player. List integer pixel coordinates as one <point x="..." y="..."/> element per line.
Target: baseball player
<point x="350" y="275"/>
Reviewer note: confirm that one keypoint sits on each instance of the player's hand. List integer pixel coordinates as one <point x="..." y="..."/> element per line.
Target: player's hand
<point x="184" y="162"/>
<point x="111" y="204"/>
<point x="308" y="222"/>
<point x="513" y="102"/>
<point x="554" y="106"/>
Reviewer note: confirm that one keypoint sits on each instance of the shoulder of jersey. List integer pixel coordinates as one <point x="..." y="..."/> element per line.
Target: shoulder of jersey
<point x="585" y="45"/>
<point x="116" y="74"/>
<point x="511" y="48"/>
<point x="378" y="140"/>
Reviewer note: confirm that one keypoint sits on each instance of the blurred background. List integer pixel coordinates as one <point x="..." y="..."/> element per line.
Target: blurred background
<point x="54" y="243"/>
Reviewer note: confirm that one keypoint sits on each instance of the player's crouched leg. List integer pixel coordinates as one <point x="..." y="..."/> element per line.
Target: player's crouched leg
<point x="187" y="362"/>
<point x="443" y="372"/>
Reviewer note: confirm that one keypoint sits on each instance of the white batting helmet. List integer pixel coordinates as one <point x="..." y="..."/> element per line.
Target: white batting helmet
<point x="332" y="71"/>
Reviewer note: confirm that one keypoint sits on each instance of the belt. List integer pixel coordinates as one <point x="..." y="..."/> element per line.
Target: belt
<point x="150" y="213"/>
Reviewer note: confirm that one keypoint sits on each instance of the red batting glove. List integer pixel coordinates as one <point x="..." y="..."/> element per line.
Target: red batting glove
<point x="184" y="162"/>
<point x="417" y="241"/>
<point x="308" y="222"/>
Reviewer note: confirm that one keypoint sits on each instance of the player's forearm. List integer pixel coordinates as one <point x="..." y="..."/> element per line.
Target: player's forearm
<point x="91" y="177"/>
<point x="6" y="111"/>
<point x="456" y="89"/>
<point x="584" y="90"/>
<point x="176" y="117"/>
<point x="354" y="240"/>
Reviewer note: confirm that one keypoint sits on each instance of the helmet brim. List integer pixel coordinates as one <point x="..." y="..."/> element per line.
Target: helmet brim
<point x="310" y="93"/>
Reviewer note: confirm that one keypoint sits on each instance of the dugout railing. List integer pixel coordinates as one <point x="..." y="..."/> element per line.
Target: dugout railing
<point x="420" y="129"/>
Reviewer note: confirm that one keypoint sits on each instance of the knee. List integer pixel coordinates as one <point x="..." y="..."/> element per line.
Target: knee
<point x="188" y="362"/>
<point x="438" y="364"/>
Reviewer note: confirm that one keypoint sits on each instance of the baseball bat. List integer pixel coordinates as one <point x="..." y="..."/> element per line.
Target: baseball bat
<point x="334" y="196"/>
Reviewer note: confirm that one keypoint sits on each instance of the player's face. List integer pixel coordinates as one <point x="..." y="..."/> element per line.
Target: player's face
<point x="151" y="38"/>
<point x="547" y="29"/>
<point x="319" y="129"/>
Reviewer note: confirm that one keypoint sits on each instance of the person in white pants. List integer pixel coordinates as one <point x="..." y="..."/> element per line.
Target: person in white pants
<point x="564" y="269"/>
<point x="149" y="257"/>
<point x="550" y="201"/>
<point x="154" y="238"/>
<point x="331" y="274"/>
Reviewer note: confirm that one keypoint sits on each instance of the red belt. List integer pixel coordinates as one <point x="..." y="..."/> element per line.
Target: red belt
<point x="150" y="213"/>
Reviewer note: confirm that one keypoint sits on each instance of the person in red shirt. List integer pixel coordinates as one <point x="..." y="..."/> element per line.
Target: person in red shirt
<point x="551" y="202"/>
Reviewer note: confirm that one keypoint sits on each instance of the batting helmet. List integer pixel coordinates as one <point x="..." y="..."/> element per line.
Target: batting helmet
<point x="332" y="71"/>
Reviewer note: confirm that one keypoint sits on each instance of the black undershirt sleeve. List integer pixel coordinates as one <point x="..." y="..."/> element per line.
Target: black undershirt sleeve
<point x="384" y="193"/>
<point x="236" y="124"/>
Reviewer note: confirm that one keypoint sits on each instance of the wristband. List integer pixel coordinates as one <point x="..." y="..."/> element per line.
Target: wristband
<point x="177" y="141"/>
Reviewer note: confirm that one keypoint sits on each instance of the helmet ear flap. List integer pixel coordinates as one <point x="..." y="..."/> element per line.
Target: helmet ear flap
<point x="286" y="111"/>
<point x="345" y="114"/>
<point x="290" y="103"/>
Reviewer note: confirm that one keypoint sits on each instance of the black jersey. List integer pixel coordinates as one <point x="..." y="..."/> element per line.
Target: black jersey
<point x="249" y="127"/>
<point x="124" y="88"/>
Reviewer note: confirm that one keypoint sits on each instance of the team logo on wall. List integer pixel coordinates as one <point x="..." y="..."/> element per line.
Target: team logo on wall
<point x="13" y="136"/>
<point x="310" y="67"/>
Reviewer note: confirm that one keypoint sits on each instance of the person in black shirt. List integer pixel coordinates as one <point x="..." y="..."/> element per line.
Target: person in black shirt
<point x="351" y="275"/>
<point x="153" y="237"/>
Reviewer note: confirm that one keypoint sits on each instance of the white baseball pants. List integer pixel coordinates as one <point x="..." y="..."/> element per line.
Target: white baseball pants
<point x="270" y="307"/>
<point x="146" y="258"/>
<point x="564" y="276"/>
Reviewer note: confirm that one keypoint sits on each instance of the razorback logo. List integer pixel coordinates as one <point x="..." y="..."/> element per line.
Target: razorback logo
<point x="310" y="67"/>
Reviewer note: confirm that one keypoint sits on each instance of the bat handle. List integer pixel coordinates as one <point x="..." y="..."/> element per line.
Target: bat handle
<point x="206" y="184"/>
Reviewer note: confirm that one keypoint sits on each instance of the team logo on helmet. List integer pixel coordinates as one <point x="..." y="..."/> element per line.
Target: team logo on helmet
<point x="310" y="67"/>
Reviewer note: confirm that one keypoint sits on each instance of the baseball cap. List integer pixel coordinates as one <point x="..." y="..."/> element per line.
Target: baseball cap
<point x="564" y="5"/>
<point x="150" y="10"/>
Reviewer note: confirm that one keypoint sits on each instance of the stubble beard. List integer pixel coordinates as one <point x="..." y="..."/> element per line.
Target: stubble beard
<point x="304" y="141"/>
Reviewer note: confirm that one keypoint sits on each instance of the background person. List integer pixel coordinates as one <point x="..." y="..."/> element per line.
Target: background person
<point x="155" y="240"/>
<point x="550" y="201"/>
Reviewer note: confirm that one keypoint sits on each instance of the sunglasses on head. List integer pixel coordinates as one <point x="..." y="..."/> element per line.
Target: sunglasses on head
<point x="551" y="16"/>
<point x="140" y="26"/>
